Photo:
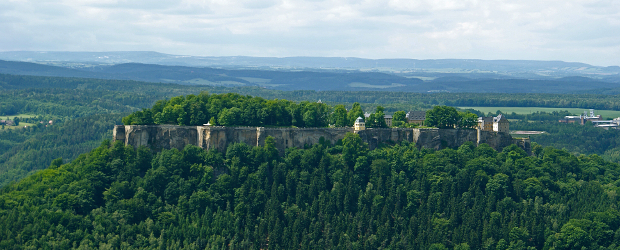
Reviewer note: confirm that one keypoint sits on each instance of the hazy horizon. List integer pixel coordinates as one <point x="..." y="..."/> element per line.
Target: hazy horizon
<point x="570" y="31"/>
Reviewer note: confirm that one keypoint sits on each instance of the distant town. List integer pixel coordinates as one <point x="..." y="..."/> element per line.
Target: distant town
<point x="597" y="120"/>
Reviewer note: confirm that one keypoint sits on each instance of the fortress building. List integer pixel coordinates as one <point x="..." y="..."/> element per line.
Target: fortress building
<point x="497" y="124"/>
<point x="416" y="117"/>
<point x="485" y="123"/>
<point x="500" y="124"/>
<point x="159" y="137"/>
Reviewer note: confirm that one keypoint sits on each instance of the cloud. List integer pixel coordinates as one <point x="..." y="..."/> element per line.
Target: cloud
<point x="570" y="30"/>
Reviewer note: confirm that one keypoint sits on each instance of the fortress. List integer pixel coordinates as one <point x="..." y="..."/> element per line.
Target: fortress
<point x="160" y="137"/>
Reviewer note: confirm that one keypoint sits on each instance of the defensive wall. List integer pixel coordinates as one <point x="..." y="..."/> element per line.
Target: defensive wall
<point x="160" y="137"/>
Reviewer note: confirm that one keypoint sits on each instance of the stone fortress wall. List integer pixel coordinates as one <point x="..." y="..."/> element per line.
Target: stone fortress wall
<point x="160" y="137"/>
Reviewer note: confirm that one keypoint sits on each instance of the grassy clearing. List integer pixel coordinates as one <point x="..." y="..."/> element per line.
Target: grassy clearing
<point x="21" y="125"/>
<point x="529" y="110"/>
<point x="10" y="117"/>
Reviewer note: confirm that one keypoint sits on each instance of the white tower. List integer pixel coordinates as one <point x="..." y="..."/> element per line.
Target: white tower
<point x="359" y="124"/>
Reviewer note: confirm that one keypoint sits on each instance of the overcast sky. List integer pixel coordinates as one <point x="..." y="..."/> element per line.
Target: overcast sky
<point x="568" y="30"/>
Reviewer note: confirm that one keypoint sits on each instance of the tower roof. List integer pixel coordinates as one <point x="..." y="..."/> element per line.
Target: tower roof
<point x="499" y="118"/>
<point x="416" y="115"/>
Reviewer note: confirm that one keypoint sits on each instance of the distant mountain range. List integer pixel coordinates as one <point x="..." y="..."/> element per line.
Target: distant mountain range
<point x="149" y="57"/>
<point x="321" y="73"/>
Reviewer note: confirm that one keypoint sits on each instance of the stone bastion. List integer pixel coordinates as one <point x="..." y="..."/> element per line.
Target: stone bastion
<point x="159" y="137"/>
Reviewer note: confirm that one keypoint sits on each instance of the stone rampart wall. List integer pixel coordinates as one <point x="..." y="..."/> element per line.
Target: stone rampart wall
<point x="376" y="136"/>
<point x="291" y="137"/>
<point x="157" y="137"/>
<point x="446" y="138"/>
<point x="215" y="137"/>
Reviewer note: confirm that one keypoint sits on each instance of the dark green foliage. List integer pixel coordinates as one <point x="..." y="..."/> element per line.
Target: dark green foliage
<point x="400" y="116"/>
<point x="449" y="117"/>
<point x="339" y="116"/>
<point x="355" y="112"/>
<point x="376" y="119"/>
<point x="467" y="120"/>
<point x="442" y="117"/>
<point x="396" y="197"/>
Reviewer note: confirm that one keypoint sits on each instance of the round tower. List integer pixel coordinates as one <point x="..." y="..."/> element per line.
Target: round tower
<point x="359" y="124"/>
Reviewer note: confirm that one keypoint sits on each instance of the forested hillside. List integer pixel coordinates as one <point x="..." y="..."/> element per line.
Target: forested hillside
<point x="25" y="151"/>
<point x="575" y="138"/>
<point x="327" y="196"/>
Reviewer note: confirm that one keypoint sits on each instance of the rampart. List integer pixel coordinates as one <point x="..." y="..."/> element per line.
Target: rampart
<point x="160" y="137"/>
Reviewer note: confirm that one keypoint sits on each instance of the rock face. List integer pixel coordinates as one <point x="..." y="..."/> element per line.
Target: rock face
<point x="446" y="138"/>
<point x="157" y="137"/>
<point x="376" y="136"/>
<point x="160" y="137"/>
<point x="215" y="137"/>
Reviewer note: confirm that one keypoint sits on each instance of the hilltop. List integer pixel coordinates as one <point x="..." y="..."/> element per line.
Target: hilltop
<point x="326" y="196"/>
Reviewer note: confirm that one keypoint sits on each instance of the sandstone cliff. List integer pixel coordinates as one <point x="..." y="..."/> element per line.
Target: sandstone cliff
<point x="160" y="137"/>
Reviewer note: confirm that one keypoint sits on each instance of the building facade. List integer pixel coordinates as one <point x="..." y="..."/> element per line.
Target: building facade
<point x="497" y="124"/>
<point x="500" y="124"/>
<point x="485" y="123"/>
<point x="416" y="117"/>
<point x="359" y="124"/>
<point x="388" y="120"/>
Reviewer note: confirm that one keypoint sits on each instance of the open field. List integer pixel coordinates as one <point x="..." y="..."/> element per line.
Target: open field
<point x="5" y="117"/>
<point x="21" y="125"/>
<point x="529" y="110"/>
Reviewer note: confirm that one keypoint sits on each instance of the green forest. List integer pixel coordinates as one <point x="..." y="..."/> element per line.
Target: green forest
<point x="66" y="186"/>
<point x="326" y="196"/>
<point x="232" y="110"/>
<point x="575" y="138"/>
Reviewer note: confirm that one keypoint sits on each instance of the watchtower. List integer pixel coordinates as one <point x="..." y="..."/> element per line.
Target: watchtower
<point x="359" y="124"/>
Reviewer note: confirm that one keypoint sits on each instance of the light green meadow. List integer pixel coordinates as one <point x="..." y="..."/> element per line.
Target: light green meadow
<point x="529" y="110"/>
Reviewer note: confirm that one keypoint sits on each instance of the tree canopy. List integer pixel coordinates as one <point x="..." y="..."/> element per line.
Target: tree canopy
<point x="325" y="196"/>
<point x="232" y="110"/>
<point x="449" y="117"/>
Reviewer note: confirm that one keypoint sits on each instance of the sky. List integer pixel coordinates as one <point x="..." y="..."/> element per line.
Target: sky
<point x="585" y="31"/>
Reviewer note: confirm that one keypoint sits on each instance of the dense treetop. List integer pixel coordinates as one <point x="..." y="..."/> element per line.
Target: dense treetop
<point x="449" y="117"/>
<point x="232" y="109"/>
